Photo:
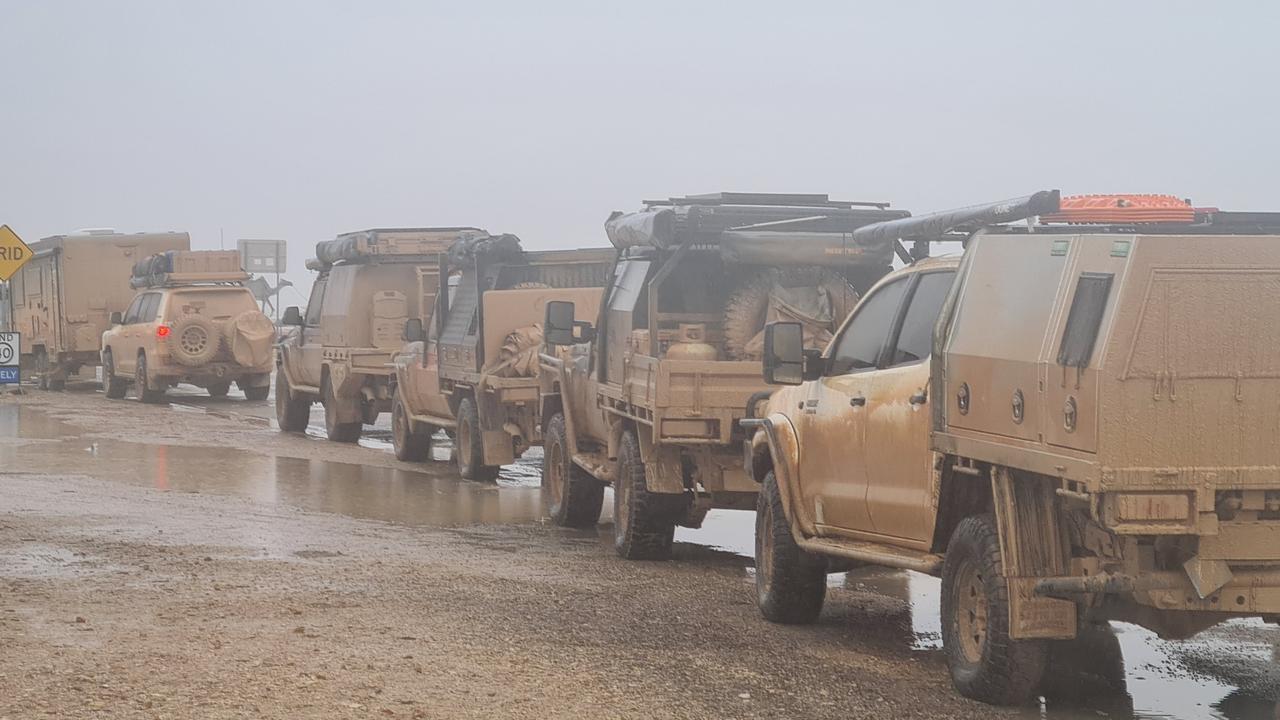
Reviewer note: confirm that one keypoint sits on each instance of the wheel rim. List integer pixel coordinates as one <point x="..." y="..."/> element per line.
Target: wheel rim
<point x="398" y="430"/>
<point x="464" y="445"/>
<point x="971" y="612"/>
<point x="193" y="340"/>
<point x="554" y="476"/>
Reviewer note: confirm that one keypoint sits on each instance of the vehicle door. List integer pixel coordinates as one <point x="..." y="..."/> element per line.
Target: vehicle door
<point x="832" y="422"/>
<point x="898" y="460"/>
<point x="422" y="378"/>
<point x="124" y="346"/>
<point x="310" y="351"/>
<point x="147" y="323"/>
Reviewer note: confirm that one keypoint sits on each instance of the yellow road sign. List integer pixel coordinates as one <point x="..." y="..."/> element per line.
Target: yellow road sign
<point x="13" y="252"/>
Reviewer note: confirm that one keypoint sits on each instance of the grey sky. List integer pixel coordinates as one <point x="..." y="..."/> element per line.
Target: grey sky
<point x="300" y="120"/>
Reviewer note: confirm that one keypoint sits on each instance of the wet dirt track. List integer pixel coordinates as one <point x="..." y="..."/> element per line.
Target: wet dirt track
<point x="188" y="561"/>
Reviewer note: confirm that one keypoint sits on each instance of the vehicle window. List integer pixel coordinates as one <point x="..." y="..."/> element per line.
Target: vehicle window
<point x="915" y="339"/>
<point x="151" y="303"/>
<point x="859" y="346"/>
<point x="1084" y="319"/>
<point x="315" y="301"/>
<point x="131" y="315"/>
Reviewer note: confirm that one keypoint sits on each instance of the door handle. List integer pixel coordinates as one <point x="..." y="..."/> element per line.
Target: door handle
<point x="919" y="398"/>
<point x="857" y="401"/>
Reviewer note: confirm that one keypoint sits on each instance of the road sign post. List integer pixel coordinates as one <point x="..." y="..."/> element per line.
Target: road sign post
<point x="10" y="352"/>
<point x="13" y="252"/>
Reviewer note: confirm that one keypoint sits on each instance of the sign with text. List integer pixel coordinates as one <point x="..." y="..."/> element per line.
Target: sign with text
<point x="10" y="351"/>
<point x="13" y="252"/>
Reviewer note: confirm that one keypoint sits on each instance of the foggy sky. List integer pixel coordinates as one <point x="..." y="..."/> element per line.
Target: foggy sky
<point x="300" y="120"/>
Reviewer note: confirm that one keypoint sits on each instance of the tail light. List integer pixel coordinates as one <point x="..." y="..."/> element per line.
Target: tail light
<point x="162" y="331"/>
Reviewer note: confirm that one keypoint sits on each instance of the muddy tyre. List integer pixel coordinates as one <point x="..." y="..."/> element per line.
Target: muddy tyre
<point x="985" y="663"/>
<point x="343" y="432"/>
<point x="1092" y="664"/>
<point x="468" y="450"/>
<point x="293" y="413"/>
<point x="142" y="383"/>
<point x="218" y="389"/>
<point x="42" y="370"/>
<point x="256" y="393"/>
<point x="791" y="584"/>
<point x="411" y="441"/>
<point x="113" y="387"/>
<point x="644" y="522"/>
<point x="572" y="497"/>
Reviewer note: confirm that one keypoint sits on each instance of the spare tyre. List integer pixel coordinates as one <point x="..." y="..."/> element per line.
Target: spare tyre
<point x="748" y="308"/>
<point x="250" y="336"/>
<point x="195" y="340"/>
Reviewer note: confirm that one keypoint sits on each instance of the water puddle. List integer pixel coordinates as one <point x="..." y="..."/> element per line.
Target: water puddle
<point x="435" y="496"/>
<point x="1230" y="672"/>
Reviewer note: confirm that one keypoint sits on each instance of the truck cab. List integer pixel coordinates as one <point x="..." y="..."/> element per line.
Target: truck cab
<point x="1070" y="424"/>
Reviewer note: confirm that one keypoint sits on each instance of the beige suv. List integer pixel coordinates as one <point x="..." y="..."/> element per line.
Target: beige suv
<point x="192" y="322"/>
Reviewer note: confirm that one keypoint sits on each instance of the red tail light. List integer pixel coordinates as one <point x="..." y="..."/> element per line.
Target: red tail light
<point x="162" y="331"/>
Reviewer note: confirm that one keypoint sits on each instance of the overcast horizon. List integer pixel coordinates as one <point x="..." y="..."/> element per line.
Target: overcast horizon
<point x="300" y="121"/>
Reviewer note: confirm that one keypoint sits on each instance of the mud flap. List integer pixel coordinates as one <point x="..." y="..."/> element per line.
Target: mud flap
<point x="497" y="445"/>
<point x="663" y="471"/>
<point x="1032" y="545"/>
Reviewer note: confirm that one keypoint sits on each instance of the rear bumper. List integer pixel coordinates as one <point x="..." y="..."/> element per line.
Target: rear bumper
<point x="213" y="372"/>
<point x="1248" y="590"/>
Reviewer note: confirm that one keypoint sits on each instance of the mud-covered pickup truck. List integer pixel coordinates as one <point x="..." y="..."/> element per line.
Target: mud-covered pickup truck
<point x="1071" y="424"/>
<point x="473" y="370"/>
<point x="649" y="398"/>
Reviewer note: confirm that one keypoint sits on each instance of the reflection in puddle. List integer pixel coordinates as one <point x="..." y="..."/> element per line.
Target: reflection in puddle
<point x="1230" y="672"/>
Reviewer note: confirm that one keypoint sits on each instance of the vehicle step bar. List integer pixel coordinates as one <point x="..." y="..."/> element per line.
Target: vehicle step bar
<point x="436" y="420"/>
<point x="874" y="553"/>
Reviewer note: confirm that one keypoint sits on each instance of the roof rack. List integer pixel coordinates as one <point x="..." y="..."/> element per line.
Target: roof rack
<point x="774" y="199"/>
<point x="188" y="267"/>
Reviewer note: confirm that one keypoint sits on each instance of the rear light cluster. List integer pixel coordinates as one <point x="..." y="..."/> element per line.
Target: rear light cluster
<point x="162" y="331"/>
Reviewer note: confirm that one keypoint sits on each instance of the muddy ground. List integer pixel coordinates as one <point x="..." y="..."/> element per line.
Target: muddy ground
<point x="188" y="561"/>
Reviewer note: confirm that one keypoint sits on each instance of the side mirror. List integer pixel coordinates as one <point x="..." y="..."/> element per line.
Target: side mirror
<point x="413" y="330"/>
<point x="117" y="318"/>
<point x="784" y="355"/>
<point x="561" y="329"/>
<point x="292" y="316"/>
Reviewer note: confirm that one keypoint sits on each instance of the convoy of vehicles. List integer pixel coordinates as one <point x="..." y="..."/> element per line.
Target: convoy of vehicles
<point x="650" y="400"/>
<point x="192" y="321"/>
<point x="338" y="353"/>
<point x="62" y="299"/>
<point x="1069" y="422"/>
<point x="473" y="369"/>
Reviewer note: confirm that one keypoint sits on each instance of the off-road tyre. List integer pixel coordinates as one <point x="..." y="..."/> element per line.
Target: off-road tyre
<point x="142" y="384"/>
<point x="791" y="584"/>
<point x="571" y="496"/>
<point x="42" y="369"/>
<point x="985" y="663"/>
<point x="293" y="414"/>
<point x="218" y="389"/>
<point x="343" y="432"/>
<point x="113" y="387"/>
<point x="468" y="448"/>
<point x="644" y="522"/>
<point x="257" y="393"/>
<point x="412" y="442"/>
<point x="1091" y="664"/>
<point x="195" y="340"/>
<point x="747" y="310"/>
